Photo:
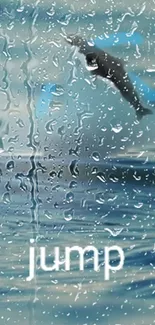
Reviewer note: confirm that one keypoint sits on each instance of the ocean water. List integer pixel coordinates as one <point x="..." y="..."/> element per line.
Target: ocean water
<point x="82" y="173"/>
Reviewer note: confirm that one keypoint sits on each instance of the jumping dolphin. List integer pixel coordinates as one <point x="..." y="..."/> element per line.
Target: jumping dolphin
<point x="102" y="64"/>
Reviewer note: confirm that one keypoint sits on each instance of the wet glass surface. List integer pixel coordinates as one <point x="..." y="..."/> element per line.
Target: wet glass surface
<point x="75" y="168"/>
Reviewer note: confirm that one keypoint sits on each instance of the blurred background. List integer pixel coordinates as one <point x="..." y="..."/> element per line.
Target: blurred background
<point x="79" y="173"/>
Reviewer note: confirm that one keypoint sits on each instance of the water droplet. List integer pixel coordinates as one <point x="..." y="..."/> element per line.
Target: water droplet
<point x="61" y="130"/>
<point x="6" y="198"/>
<point x="107" y="196"/>
<point x="117" y="128"/>
<point x="20" y="9"/>
<point x="49" y="127"/>
<point x="51" y="12"/>
<point x="48" y="214"/>
<point x="139" y="205"/>
<point x="137" y="178"/>
<point x="142" y="9"/>
<point x="114" y="232"/>
<point x="20" y="123"/>
<point x="8" y="186"/>
<point x="113" y="178"/>
<point x="69" y="197"/>
<point x="65" y="19"/>
<point x="91" y="66"/>
<point x="1" y="146"/>
<point x="56" y="106"/>
<point x="100" y="198"/>
<point x="55" y="188"/>
<point x="94" y="170"/>
<point x="68" y="214"/>
<point x="96" y="156"/>
<point x="73" y="184"/>
<point x="73" y="168"/>
<point x="49" y="200"/>
<point x="133" y="29"/>
<point x="23" y="186"/>
<point x="59" y="91"/>
<point x="101" y="177"/>
<point x="60" y="173"/>
<point x="13" y="139"/>
<point x="55" y="61"/>
<point x="56" y="205"/>
<point x="52" y="174"/>
<point x="10" y="26"/>
<point x="10" y="165"/>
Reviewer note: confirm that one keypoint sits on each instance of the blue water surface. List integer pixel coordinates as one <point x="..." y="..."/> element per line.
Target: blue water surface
<point x="76" y="168"/>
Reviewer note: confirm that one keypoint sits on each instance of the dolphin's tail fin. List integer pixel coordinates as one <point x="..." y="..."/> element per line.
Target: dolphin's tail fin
<point x="142" y="111"/>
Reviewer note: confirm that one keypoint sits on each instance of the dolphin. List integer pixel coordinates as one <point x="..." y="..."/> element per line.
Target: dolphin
<point x="102" y="64"/>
